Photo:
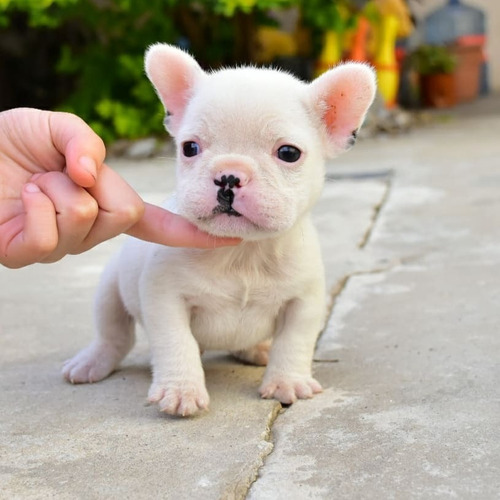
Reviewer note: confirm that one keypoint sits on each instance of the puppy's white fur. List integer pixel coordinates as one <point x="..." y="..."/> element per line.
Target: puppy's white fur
<point x="271" y="286"/>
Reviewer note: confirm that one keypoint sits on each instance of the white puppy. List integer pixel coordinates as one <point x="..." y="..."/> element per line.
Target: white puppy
<point x="252" y="144"/>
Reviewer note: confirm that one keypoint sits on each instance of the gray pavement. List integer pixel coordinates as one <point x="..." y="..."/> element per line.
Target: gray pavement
<point x="410" y="357"/>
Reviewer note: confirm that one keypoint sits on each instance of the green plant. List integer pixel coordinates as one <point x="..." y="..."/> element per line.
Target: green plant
<point x="39" y="11"/>
<point x="433" y="59"/>
<point x="101" y="47"/>
<point x="230" y="7"/>
<point x="326" y="14"/>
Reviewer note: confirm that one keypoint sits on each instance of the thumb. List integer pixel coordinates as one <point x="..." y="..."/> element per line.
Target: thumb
<point x="83" y="149"/>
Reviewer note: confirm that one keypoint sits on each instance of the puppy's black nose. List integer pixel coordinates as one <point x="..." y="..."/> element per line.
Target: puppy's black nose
<point x="229" y="181"/>
<point x="225" y="195"/>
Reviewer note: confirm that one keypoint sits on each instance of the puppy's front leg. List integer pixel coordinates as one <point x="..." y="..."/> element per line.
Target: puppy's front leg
<point x="288" y="375"/>
<point x="178" y="379"/>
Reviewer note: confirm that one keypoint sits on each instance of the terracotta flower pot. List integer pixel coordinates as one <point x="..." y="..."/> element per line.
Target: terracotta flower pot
<point x="438" y="90"/>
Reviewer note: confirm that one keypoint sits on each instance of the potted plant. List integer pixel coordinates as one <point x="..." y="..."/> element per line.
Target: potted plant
<point x="435" y="66"/>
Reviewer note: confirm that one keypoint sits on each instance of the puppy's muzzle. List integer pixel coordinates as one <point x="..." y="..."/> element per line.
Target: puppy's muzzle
<point x="225" y="195"/>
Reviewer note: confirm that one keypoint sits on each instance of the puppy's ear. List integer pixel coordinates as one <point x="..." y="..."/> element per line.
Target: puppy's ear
<point x="341" y="97"/>
<point x="174" y="74"/>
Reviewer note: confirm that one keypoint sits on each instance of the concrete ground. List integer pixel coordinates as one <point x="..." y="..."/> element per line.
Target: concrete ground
<point x="410" y="357"/>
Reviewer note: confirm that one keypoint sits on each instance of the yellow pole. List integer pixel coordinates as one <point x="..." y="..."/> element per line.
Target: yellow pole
<point x="330" y="54"/>
<point x="385" y="60"/>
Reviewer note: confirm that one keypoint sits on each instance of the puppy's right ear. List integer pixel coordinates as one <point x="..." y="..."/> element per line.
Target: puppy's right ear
<point x="341" y="98"/>
<point x="174" y="75"/>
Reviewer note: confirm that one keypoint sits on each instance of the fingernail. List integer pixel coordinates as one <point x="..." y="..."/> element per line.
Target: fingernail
<point x="31" y="188"/>
<point x="89" y="165"/>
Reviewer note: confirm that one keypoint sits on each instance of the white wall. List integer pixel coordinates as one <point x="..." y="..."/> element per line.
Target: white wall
<point x="491" y="8"/>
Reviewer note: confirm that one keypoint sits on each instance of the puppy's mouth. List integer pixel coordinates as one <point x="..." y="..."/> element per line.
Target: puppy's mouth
<point x="220" y="209"/>
<point x="225" y="221"/>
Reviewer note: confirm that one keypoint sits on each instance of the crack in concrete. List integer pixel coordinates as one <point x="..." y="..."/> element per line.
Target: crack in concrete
<point x="241" y="491"/>
<point x="376" y="214"/>
<point x="243" y="487"/>
<point x="342" y="283"/>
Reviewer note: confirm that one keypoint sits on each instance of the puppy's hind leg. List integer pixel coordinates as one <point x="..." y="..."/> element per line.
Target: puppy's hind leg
<point x="115" y="335"/>
<point x="256" y="355"/>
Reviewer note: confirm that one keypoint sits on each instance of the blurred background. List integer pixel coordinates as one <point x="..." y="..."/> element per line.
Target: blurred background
<point x="86" y="56"/>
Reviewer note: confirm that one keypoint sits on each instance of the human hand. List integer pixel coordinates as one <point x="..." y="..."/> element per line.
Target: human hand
<point x="57" y="197"/>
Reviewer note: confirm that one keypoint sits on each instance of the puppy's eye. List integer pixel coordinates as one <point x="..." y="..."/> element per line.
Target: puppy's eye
<point x="191" y="148"/>
<point x="289" y="154"/>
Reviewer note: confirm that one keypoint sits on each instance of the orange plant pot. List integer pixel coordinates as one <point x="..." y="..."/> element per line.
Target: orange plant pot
<point x="439" y="90"/>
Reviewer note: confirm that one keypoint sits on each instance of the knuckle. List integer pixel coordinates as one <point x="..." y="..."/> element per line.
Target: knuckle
<point x="43" y="249"/>
<point x="129" y="213"/>
<point x="85" y="210"/>
<point x="47" y="246"/>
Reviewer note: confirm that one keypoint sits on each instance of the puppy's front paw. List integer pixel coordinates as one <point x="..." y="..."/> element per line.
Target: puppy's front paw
<point x="91" y="364"/>
<point x="179" y="397"/>
<point x="288" y="388"/>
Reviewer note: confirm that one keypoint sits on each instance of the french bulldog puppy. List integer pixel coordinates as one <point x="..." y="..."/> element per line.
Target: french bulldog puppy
<point x="252" y="145"/>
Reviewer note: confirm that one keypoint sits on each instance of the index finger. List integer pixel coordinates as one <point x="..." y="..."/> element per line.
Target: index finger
<point x="166" y="228"/>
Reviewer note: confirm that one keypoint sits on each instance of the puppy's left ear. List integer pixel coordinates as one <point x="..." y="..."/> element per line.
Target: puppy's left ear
<point x="341" y="97"/>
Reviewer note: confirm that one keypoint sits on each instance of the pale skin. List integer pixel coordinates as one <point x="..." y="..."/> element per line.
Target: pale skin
<point x="58" y="197"/>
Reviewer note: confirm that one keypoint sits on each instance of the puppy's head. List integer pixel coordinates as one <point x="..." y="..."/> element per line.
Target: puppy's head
<point x="251" y="143"/>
